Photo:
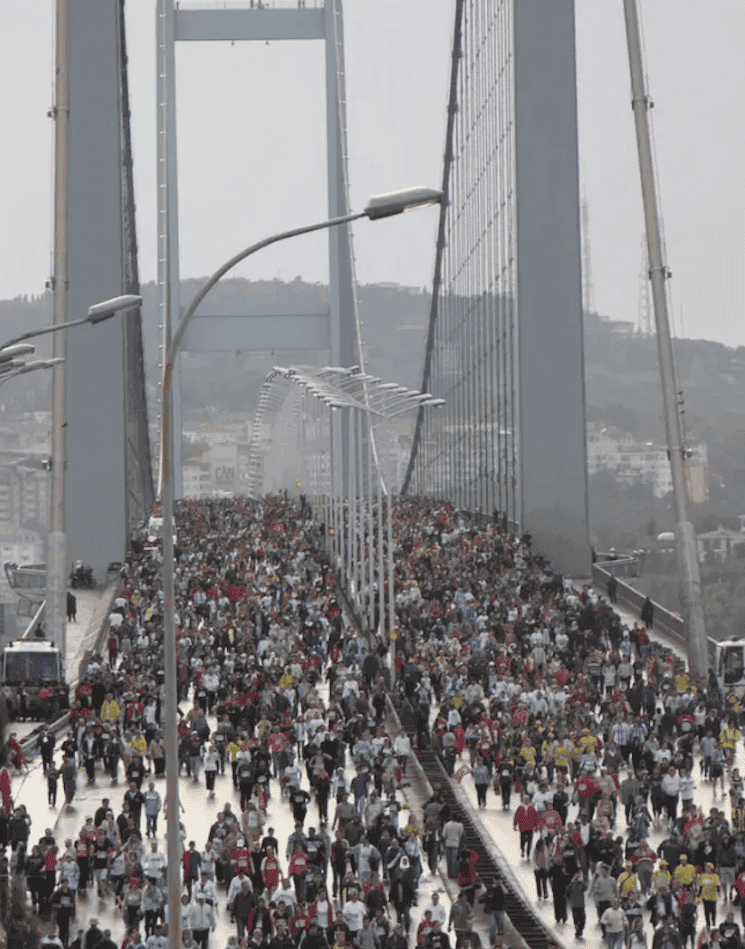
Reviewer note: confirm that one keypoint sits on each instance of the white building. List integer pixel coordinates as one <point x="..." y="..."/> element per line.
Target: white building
<point x="720" y="545"/>
<point x="20" y="545"/>
<point x="196" y="473"/>
<point x="647" y="463"/>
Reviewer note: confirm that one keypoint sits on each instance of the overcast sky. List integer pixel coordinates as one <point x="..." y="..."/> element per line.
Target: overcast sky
<point x="252" y="147"/>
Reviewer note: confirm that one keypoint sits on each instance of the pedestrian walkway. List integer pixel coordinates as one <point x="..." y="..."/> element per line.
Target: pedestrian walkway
<point x="199" y="812"/>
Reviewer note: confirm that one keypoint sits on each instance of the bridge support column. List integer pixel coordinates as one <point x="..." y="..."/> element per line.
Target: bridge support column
<point x="553" y="482"/>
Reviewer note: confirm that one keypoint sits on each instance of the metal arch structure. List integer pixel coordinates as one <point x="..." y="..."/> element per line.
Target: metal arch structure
<point x="296" y="445"/>
<point x="331" y="328"/>
<point x="504" y="345"/>
<point x="108" y="484"/>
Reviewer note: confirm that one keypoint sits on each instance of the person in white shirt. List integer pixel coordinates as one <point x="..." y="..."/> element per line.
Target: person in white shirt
<point x="206" y="888"/>
<point x="435" y="907"/>
<point x="671" y="788"/>
<point x="51" y="940"/>
<point x="542" y="798"/>
<point x="687" y="788"/>
<point x="158" y="939"/>
<point x="208" y="858"/>
<point x="235" y="886"/>
<point x="402" y="750"/>
<point x="202" y="920"/>
<point x="354" y="912"/>
<point x="154" y="862"/>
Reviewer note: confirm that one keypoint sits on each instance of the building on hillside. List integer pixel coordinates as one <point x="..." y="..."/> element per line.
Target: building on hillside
<point x="619" y="327"/>
<point x="21" y="545"/>
<point x="18" y="545"/>
<point x="24" y="492"/>
<point x="196" y="473"/>
<point x="630" y="462"/>
<point x="720" y="545"/>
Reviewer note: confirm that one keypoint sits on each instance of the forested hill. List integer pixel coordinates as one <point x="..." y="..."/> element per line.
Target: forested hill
<point x="621" y="373"/>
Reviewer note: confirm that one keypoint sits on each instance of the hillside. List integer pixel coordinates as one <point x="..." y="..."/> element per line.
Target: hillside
<point x="622" y="381"/>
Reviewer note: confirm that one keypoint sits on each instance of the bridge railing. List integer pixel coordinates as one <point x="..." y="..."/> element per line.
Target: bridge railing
<point x="664" y="620"/>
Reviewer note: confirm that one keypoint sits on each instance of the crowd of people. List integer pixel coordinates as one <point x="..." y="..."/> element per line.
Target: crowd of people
<point x="281" y="701"/>
<point x="532" y="691"/>
<point x="587" y="730"/>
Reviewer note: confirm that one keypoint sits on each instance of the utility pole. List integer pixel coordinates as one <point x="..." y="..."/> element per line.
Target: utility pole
<point x="693" y="612"/>
<point x="56" y="608"/>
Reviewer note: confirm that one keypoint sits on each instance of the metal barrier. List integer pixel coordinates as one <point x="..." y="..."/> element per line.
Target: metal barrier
<point x="623" y="566"/>
<point x="667" y="622"/>
<point x="664" y="620"/>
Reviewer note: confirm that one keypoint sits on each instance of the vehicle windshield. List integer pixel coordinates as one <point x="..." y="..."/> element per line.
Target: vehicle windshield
<point x="31" y="667"/>
<point x="733" y="665"/>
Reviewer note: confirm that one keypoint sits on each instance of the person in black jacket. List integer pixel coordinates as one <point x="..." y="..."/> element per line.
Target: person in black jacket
<point x="401" y="893"/>
<point x="493" y="901"/>
<point x="559" y="880"/>
<point x="63" y="906"/>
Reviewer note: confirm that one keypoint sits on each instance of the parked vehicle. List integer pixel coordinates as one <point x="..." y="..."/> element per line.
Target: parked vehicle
<point x="33" y="679"/>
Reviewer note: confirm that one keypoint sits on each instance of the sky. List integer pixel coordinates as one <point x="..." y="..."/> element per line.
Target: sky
<point x="251" y="133"/>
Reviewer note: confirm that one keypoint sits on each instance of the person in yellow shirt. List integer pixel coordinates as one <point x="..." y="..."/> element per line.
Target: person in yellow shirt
<point x="232" y="753"/>
<point x="732" y="702"/>
<point x="138" y="745"/>
<point x="627" y="881"/>
<point x="588" y="741"/>
<point x="528" y="752"/>
<point x="563" y="752"/>
<point x="728" y="738"/>
<point x="110" y="710"/>
<point x="661" y="877"/>
<point x="685" y="872"/>
<point x="708" y="893"/>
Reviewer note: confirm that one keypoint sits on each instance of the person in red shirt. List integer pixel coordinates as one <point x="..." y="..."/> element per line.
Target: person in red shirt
<point x="298" y="866"/>
<point x="299" y="922"/>
<point x="588" y="791"/>
<point x="425" y="928"/>
<point x="526" y="821"/>
<point x="240" y="857"/>
<point x="551" y="820"/>
<point x="270" y="870"/>
<point x="467" y="875"/>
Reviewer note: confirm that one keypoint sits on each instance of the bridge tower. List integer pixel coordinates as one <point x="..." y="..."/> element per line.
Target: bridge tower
<point x="504" y="346"/>
<point x="259" y="329"/>
<point x="108" y="484"/>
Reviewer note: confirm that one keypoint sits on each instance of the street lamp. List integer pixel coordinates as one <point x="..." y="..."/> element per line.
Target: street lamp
<point x="10" y="352"/>
<point x="382" y="205"/>
<point x="24" y="367"/>
<point x="96" y="314"/>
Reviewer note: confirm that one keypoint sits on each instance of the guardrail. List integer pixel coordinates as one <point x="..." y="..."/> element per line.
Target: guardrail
<point x="623" y="566"/>
<point x="664" y="620"/>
